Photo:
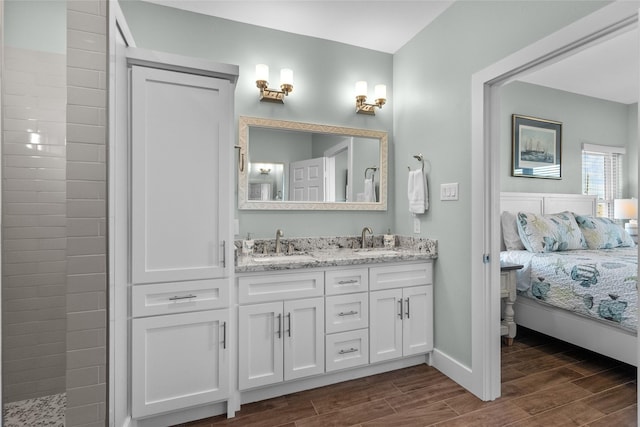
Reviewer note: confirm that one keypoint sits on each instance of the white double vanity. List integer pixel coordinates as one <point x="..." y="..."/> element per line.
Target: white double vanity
<point x="198" y="331"/>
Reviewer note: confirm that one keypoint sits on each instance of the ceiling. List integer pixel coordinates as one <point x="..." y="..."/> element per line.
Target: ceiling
<point x="608" y="70"/>
<point x="373" y="24"/>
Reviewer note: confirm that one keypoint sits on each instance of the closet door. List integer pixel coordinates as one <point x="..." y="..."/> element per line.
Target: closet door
<point x="179" y="193"/>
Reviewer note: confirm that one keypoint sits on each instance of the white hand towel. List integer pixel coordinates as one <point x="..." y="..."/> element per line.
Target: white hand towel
<point x="418" y="192"/>
<point x="369" y="190"/>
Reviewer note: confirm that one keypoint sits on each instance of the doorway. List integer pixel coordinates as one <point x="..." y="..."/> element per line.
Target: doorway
<point x="485" y="246"/>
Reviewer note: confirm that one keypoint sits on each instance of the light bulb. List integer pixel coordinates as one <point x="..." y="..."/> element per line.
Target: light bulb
<point x="262" y="72"/>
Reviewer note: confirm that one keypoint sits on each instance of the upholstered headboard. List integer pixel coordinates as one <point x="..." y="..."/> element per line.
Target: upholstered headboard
<point x="546" y="203"/>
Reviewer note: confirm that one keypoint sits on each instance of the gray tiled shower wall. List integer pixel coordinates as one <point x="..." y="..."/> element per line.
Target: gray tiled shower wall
<point x="34" y="224"/>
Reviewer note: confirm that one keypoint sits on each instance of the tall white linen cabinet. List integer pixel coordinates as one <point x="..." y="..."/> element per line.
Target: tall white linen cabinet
<point x="177" y="235"/>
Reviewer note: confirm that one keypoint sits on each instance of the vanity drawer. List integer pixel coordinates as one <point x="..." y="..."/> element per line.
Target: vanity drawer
<point x="400" y="276"/>
<point x="346" y="312"/>
<point x="347" y="349"/>
<point x="278" y="287"/>
<point x="347" y="281"/>
<point x="179" y="297"/>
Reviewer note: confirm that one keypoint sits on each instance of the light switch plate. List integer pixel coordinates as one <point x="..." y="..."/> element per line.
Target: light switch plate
<point x="449" y="191"/>
<point x="416" y="225"/>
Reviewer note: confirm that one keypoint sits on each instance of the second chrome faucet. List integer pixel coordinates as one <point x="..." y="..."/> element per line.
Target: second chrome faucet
<point x="279" y="234"/>
<point x="364" y="236"/>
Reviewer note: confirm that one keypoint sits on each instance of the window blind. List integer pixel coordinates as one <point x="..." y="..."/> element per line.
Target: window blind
<point x="602" y="175"/>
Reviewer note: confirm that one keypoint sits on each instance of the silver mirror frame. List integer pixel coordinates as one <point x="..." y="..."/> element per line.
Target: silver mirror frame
<point x="243" y="144"/>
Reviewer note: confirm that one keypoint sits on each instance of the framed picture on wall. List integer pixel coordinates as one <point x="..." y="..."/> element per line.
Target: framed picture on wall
<point x="537" y="147"/>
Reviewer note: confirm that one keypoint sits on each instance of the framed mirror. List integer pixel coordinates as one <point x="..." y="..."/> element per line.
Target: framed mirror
<point x="303" y="166"/>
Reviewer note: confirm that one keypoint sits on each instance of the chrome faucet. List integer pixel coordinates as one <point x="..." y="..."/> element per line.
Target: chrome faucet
<point x="279" y="234"/>
<point x="364" y="233"/>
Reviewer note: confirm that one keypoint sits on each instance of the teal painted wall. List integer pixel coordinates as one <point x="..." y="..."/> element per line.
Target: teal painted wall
<point x="325" y="73"/>
<point x="584" y="119"/>
<point x="432" y="114"/>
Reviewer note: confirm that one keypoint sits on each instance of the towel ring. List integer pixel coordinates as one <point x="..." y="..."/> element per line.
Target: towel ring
<point x="419" y="157"/>
<point x="372" y="168"/>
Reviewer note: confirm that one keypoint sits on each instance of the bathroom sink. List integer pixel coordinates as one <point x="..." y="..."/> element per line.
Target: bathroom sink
<point x="283" y="259"/>
<point x="376" y="252"/>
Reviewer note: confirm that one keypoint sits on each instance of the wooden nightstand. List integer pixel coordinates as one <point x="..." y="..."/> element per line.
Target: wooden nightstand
<point x="508" y="293"/>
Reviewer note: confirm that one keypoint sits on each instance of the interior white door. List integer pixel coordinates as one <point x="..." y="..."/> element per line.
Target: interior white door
<point x="385" y="324"/>
<point x="303" y="338"/>
<point x="178" y="360"/>
<point x="307" y="180"/>
<point x="417" y="325"/>
<point x="179" y="192"/>
<point x="261" y="344"/>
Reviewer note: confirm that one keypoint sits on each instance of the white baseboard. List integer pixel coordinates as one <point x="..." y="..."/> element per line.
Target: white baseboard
<point x="455" y="370"/>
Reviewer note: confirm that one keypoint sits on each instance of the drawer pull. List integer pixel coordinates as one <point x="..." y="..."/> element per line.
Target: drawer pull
<point x="407" y="307"/>
<point x="400" y="313"/>
<point x="347" y="282"/>
<point x="176" y="298"/>
<point x="348" y="313"/>
<point x="351" y="350"/>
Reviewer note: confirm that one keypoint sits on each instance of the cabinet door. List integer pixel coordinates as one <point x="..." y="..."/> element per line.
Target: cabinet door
<point x="178" y="360"/>
<point x="417" y="325"/>
<point x="180" y="159"/>
<point x="261" y="335"/>
<point x="385" y="325"/>
<point x="303" y="338"/>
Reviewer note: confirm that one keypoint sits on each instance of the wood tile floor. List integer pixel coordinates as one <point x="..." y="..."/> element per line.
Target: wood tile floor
<point x="545" y="382"/>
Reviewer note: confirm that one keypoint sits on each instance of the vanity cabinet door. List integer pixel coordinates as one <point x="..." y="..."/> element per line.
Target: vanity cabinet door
<point x="180" y="164"/>
<point x="401" y="322"/>
<point x="280" y="341"/>
<point x="417" y="323"/>
<point x="261" y="334"/>
<point x="385" y="327"/>
<point x="178" y="361"/>
<point x="304" y="338"/>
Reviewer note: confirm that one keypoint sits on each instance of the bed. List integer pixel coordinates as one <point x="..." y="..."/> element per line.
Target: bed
<point x="587" y="297"/>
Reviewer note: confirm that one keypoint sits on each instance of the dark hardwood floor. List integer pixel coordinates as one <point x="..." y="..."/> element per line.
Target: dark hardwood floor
<point x="545" y="382"/>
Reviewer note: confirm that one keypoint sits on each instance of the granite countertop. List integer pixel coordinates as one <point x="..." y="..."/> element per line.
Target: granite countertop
<point x="321" y="252"/>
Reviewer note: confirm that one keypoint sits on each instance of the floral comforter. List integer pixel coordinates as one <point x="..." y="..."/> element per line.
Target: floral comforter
<point x="596" y="283"/>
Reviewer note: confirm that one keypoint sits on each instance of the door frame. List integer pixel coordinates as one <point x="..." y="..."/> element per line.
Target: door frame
<point x="485" y="167"/>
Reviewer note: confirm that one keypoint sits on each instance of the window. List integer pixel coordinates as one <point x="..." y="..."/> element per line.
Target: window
<point x="602" y="175"/>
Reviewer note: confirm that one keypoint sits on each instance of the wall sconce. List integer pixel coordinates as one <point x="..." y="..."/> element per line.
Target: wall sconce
<point x="271" y="95"/>
<point x="380" y="92"/>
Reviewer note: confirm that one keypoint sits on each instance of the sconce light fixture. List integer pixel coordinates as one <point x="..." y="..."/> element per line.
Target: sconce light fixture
<point x="380" y="92"/>
<point x="272" y="95"/>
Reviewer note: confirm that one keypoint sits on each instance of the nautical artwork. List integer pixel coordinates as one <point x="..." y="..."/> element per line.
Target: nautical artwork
<point x="536" y="147"/>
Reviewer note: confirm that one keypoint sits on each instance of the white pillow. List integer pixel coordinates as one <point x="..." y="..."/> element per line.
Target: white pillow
<point x="549" y="233"/>
<point x="510" y="235"/>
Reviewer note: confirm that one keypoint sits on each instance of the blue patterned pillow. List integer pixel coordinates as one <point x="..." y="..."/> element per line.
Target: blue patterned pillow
<point x="550" y="233"/>
<point x="603" y="233"/>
